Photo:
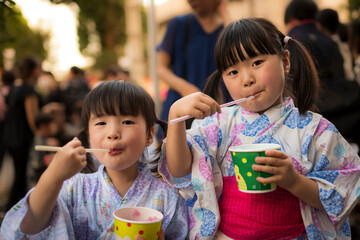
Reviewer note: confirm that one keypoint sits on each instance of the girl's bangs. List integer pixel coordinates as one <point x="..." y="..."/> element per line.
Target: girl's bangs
<point x="241" y="39"/>
<point x="115" y="102"/>
<point x="116" y="98"/>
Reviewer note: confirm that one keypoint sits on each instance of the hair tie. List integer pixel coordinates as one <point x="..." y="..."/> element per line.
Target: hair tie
<point x="286" y="39"/>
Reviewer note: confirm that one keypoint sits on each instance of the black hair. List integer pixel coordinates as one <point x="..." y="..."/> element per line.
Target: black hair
<point x="300" y="10"/>
<point x="113" y="70"/>
<point x="27" y="67"/>
<point x="43" y="118"/>
<point x="118" y="97"/>
<point x="329" y="19"/>
<point x="8" y="77"/>
<point x="77" y="71"/>
<point x="48" y="73"/>
<point x="343" y="32"/>
<point x="258" y="36"/>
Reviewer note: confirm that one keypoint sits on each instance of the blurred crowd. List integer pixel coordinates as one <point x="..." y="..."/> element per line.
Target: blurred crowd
<point x="37" y="109"/>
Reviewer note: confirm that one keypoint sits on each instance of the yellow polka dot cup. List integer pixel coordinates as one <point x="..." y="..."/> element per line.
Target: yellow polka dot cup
<point x="130" y="222"/>
<point x="243" y="157"/>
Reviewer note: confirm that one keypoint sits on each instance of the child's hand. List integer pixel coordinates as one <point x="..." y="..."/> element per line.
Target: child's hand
<point x="284" y="174"/>
<point x="68" y="161"/>
<point x="198" y="105"/>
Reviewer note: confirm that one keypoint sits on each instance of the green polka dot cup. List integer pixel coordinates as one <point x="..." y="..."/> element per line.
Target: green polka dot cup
<point x="130" y="222"/>
<point x="243" y="157"/>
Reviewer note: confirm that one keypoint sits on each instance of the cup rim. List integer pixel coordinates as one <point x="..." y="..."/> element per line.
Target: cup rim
<point x="255" y="147"/>
<point x="158" y="214"/>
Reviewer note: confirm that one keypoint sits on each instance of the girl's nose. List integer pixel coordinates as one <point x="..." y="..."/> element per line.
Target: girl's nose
<point x="114" y="134"/>
<point x="249" y="82"/>
<point x="247" y="78"/>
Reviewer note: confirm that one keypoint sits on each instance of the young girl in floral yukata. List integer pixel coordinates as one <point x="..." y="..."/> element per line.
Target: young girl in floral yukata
<point x="65" y="204"/>
<point x="316" y="170"/>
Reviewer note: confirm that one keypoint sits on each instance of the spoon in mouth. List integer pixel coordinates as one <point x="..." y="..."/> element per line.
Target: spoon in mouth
<point x="55" y="149"/>
<point x="180" y="119"/>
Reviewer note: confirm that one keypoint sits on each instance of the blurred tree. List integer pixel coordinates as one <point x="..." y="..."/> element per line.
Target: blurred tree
<point x="105" y="19"/>
<point x="16" y="34"/>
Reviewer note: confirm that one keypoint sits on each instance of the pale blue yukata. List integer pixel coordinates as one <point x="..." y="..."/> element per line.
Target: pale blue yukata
<point x="316" y="148"/>
<point x="86" y="202"/>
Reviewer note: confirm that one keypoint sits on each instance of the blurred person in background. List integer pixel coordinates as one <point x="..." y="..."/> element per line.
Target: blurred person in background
<point x="114" y="72"/>
<point x="186" y="53"/>
<point x="46" y="130"/>
<point x="55" y="103"/>
<point x="7" y="81"/>
<point x="339" y="100"/>
<point x="300" y="23"/>
<point x="49" y="89"/>
<point x="58" y="112"/>
<point x="19" y="128"/>
<point x="77" y="87"/>
<point x="354" y="43"/>
<point x="327" y="21"/>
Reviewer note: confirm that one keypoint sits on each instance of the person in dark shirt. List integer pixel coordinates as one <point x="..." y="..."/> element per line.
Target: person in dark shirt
<point x="23" y="106"/>
<point x="339" y="99"/>
<point x="186" y="53"/>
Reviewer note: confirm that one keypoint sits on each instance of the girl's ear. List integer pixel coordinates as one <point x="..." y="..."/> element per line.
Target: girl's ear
<point x="150" y="138"/>
<point x="286" y="61"/>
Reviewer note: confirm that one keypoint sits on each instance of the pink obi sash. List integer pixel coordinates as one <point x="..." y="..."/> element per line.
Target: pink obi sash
<point x="272" y="215"/>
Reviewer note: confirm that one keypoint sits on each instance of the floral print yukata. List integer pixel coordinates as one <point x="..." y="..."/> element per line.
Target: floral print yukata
<point x="316" y="148"/>
<point x="86" y="202"/>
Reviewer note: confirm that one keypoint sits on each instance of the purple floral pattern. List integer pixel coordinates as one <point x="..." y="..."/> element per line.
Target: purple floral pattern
<point x="315" y="146"/>
<point x="86" y="203"/>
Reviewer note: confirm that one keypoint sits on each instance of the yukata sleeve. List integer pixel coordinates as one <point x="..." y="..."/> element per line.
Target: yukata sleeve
<point x="178" y="226"/>
<point x="203" y="187"/>
<point x="336" y="169"/>
<point x="60" y="225"/>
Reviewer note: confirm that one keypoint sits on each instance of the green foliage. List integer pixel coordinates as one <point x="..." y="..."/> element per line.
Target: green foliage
<point x="354" y="4"/>
<point x="15" y="33"/>
<point x="354" y="8"/>
<point x="105" y="19"/>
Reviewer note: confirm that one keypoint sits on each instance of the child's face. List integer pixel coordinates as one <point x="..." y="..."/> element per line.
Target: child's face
<point x="125" y="136"/>
<point x="262" y="77"/>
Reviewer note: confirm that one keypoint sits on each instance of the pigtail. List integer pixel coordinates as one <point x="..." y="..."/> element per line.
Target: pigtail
<point x="153" y="164"/>
<point x="90" y="162"/>
<point x="213" y="88"/>
<point x="302" y="80"/>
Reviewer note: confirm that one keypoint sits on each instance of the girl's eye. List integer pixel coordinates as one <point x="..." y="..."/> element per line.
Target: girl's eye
<point x="100" y="123"/>
<point x="233" y="73"/>
<point x="128" y="122"/>
<point x="257" y="63"/>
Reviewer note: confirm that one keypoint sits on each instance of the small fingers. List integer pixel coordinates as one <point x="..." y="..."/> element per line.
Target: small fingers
<point x="265" y="168"/>
<point x="276" y="154"/>
<point x="268" y="180"/>
<point x="207" y="106"/>
<point x="203" y="110"/>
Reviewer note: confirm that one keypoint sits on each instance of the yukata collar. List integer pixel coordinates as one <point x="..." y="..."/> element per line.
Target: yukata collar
<point x="273" y="114"/>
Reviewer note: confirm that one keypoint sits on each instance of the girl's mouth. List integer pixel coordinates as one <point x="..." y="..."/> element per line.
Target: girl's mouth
<point x="115" y="151"/>
<point x="256" y="94"/>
